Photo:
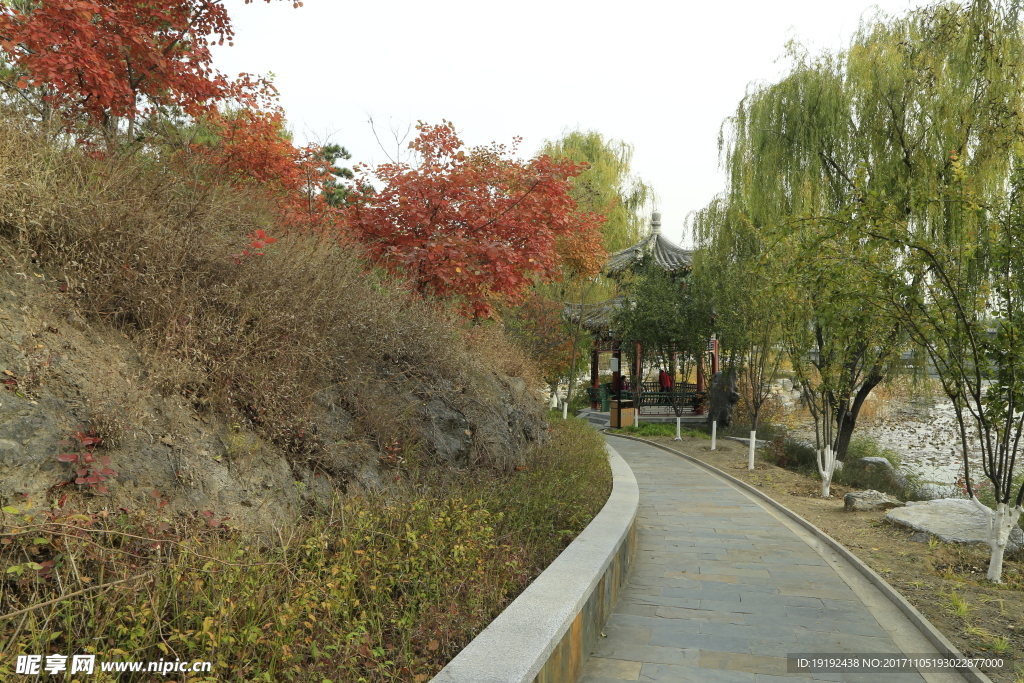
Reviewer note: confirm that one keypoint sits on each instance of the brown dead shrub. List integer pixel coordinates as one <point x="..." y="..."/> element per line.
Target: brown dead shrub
<point x="147" y="247"/>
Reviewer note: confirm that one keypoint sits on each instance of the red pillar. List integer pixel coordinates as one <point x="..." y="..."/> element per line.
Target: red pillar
<point x="594" y="356"/>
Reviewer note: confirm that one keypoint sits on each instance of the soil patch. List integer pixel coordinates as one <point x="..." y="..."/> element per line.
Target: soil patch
<point x="945" y="582"/>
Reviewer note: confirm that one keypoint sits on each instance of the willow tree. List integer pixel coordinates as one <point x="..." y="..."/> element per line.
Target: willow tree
<point x="884" y="176"/>
<point x="609" y="188"/>
<point x="960" y="290"/>
<point x="879" y="119"/>
<point x="955" y="281"/>
<point x="733" y="272"/>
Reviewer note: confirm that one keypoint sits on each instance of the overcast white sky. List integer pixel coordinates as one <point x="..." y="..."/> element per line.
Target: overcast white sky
<point x="661" y="76"/>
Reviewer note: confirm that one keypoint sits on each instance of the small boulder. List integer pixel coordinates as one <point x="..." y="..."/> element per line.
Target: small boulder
<point x="882" y="465"/>
<point x="856" y="501"/>
<point x="932" y="491"/>
<point x="951" y="520"/>
<point x="876" y="462"/>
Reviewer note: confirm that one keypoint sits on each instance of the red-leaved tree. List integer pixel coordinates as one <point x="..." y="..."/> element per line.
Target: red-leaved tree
<point x="475" y="223"/>
<point x="252" y="148"/>
<point x="539" y="328"/>
<point x="104" y="59"/>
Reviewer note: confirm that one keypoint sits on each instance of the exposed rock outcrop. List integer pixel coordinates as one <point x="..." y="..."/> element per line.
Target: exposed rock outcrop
<point x="63" y="377"/>
<point x="952" y="520"/>
<point x="857" y="501"/>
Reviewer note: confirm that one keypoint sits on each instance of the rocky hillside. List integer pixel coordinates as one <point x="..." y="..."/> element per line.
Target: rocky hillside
<point x="65" y="376"/>
<point x="146" y="365"/>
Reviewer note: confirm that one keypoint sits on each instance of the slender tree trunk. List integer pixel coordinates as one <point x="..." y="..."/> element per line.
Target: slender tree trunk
<point x="848" y="419"/>
<point x="1001" y="522"/>
<point x="826" y="468"/>
<point x="110" y="129"/>
<point x="575" y="345"/>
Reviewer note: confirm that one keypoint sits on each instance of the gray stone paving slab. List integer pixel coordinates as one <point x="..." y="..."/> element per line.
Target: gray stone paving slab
<point x="647" y="653"/>
<point x="666" y="638"/>
<point x="745" y="586"/>
<point x="697" y="615"/>
<point x="722" y="590"/>
<point x="666" y="601"/>
<point x="772" y="678"/>
<point x="778" y="611"/>
<point x="701" y="594"/>
<point x="667" y="673"/>
<point x="637" y="635"/>
<point x="774" y="646"/>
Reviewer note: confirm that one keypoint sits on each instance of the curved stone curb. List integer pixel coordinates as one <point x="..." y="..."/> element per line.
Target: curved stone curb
<point x="548" y="631"/>
<point x="936" y="638"/>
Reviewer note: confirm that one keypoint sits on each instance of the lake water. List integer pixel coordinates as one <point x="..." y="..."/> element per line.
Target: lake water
<point x="924" y="434"/>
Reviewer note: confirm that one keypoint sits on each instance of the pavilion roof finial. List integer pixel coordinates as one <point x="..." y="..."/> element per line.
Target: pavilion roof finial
<point x="669" y="256"/>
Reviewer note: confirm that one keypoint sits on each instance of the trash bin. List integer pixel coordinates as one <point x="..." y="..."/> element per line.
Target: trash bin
<point x="621" y="414"/>
<point x="626" y="417"/>
<point x="605" y="396"/>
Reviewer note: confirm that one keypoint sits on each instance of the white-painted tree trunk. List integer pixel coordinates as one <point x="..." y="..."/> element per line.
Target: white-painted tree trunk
<point x="826" y="468"/>
<point x="714" y="433"/>
<point x="565" y="410"/>
<point x="753" y="445"/>
<point x="553" y="403"/>
<point x="679" y="436"/>
<point x="1000" y="522"/>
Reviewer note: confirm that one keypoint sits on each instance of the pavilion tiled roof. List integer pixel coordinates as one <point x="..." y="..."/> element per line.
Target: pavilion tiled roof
<point x="593" y="317"/>
<point x="668" y="255"/>
<point x="597" y="317"/>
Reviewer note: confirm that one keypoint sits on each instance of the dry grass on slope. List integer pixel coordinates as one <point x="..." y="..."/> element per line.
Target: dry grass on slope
<point x="147" y="247"/>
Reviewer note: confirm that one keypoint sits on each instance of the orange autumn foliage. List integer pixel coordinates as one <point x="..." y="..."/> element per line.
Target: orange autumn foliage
<point x="475" y="224"/>
<point x="118" y="58"/>
<point x="252" y="148"/>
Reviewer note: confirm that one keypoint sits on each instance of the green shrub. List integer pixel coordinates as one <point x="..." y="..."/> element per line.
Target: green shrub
<point x="792" y="455"/>
<point x="856" y="475"/>
<point x="580" y="400"/>
<point x="660" y="429"/>
<point x="387" y="587"/>
<point x="765" y="431"/>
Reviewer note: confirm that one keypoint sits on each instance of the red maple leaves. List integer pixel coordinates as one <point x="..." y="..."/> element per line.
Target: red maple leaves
<point x="113" y="58"/>
<point x="252" y="148"/>
<point x="475" y="223"/>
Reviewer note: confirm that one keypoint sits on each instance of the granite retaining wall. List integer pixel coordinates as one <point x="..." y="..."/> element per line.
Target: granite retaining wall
<point x="548" y="632"/>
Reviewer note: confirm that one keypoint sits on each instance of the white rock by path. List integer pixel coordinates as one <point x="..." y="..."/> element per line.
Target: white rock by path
<point x="869" y="500"/>
<point x="953" y="520"/>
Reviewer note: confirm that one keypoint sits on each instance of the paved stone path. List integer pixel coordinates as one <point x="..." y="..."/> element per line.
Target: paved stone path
<point x="723" y="588"/>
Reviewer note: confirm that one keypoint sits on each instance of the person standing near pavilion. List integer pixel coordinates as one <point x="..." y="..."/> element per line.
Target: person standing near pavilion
<point x="665" y="380"/>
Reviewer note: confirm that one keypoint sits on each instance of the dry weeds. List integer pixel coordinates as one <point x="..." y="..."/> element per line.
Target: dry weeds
<point x="147" y="246"/>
